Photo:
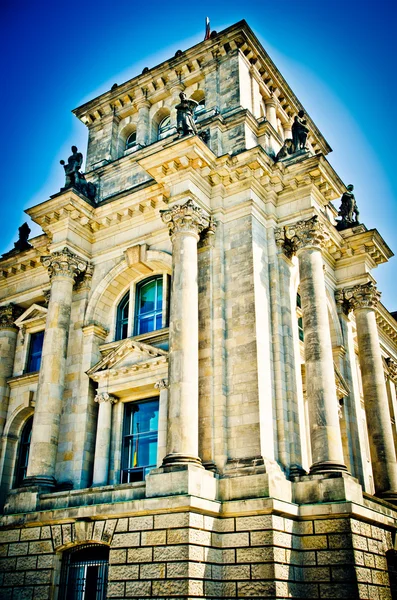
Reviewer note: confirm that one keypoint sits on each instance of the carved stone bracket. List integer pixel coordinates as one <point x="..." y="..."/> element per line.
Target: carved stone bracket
<point x="306" y="234"/>
<point x="105" y="397"/>
<point x="8" y="314"/>
<point x="364" y="295"/>
<point x="64" y="263"/>
<point x="162" y="384"/>
<point x="186" y="218"/>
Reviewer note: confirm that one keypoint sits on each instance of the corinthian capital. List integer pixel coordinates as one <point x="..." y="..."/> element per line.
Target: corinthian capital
<point x="162" y="384"/>
<point x="306" y="234"/>
<point x="186" y="218"/>
<point x="8" y="314"/>
<point x="105" y="397"/>
<point x="64" y="263"/>
<point x="364" y="295"/>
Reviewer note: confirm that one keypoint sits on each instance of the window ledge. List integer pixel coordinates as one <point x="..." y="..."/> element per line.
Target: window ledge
<point x="23" y="379"/>
<point x="154" y="337"/>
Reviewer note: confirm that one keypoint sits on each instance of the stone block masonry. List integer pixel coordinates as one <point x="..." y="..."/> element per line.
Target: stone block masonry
<point x="193" y="555"/>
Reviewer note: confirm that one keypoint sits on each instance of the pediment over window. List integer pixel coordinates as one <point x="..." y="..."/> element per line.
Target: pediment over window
<point x="34" y="316"/>
<point x="127" y="357"/>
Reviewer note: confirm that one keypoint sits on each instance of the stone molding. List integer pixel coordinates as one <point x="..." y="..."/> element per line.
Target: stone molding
<point x="392" y="369"/>
<point x="105" y="397"/>
<point x="310" y="233"/>
<point x="364" y="295"/>
<point x="64" y="263"/>
<point x="8" y="315"/>
<point x="162" y="384"/>
<point x="186" y="219"/>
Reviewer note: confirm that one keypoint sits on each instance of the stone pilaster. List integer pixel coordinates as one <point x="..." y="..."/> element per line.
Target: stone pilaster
<point x="63" y="267"/>
<point x="162" y="386"/>
<point x="307" y="238"/>
<point x="143" y="123"/>
<point x="185" y="223"/>
<point x="271" y="114"/>
<point x="103" y="433"/>
<point x="8" y="338"/>
<point x="363" y="299"/>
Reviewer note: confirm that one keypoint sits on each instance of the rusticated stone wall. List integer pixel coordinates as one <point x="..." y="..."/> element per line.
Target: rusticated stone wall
<point x="188" y="555"/>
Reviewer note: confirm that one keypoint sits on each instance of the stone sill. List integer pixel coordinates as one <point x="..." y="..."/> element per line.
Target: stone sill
<point x="159" y="335"/>
<point x="108" y="494"/>
<point x="24" y="379"/>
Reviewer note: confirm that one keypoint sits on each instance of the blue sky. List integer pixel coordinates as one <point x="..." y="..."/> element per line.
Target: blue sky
<point x="338" y="57"/>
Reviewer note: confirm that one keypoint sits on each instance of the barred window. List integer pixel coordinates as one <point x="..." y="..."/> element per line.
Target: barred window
<point x="84" y="573"/>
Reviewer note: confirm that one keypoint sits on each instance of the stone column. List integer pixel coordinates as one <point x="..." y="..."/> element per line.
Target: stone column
<point x="143" y="124"/>
<point x="8" y="339"/>
<point x="364" y="299"/>
<point x="185" y="223"/>
<point x="63" y="267"/>
<point x="162" y="386"/>
<point x="103" y="434"/>
<point x="307" y="239"/>
<point x="271" y="114"/>
<point x="287" y="131"/>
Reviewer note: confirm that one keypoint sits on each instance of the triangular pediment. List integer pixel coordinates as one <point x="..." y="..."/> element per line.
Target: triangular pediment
<point x="128" y="353"/>
<point x="31" y="316"/>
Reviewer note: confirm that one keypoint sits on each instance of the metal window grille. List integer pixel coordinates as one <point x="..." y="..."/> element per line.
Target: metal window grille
<point x="84" y="573"/>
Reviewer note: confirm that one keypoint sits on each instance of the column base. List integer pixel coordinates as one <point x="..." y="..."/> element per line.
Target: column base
<point x="182" y="479"/>
<point x="327" y="466"/>
<point x="334" y="486"/>
<point x="390" y="497"/>
<point x="44" y="482"/>
<point x="177" y="460"/>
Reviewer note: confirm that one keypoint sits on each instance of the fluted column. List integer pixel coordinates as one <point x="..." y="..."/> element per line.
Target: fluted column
<point x="62" y="267"/>
<point x="307" y="238"/>
<point x="143" y="124"/>
<point x="103" y="434"/>
<point x="363" y="299"/>
<point x="8" y="338"/>
<point x="185" y="223"/>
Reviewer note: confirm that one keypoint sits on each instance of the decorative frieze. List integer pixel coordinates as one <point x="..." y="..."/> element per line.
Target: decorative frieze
<point x="187" y="219"/>
<point x="64" y="263"/>
<point x="8" y="315"/>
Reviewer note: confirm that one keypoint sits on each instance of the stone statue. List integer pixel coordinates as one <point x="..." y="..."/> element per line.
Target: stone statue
<point x="287" y="149"/>
<point x="299" y="131"/>
<point x="22" y="243"/>
<point x="348" y="210"/>
<point x="74" y="178"/>
<point x="184" y="116"/>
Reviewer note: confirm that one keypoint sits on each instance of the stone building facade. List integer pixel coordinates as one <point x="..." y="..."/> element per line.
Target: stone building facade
<point x="197" y="377"/>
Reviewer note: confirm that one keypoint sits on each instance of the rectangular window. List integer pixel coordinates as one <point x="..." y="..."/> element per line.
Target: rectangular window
<point x="139" y="451"/>
<point x="35" y="351"/>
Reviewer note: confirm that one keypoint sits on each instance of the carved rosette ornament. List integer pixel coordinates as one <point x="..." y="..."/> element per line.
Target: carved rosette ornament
<point x="8" y="314"/>
<point x="186" y="219"/>
<point x="64" y="263"/>
<point x="105" y="397"/>
<point x="364" y="295"/>
<point x="162" y="384"/>
<point x="306" y="234"/>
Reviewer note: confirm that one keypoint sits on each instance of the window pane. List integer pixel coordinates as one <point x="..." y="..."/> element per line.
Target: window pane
<point x="139" y="453"/>
<point x="149" y="306"/>
<point x="122" y="318"/>
<point x="148" y="297"/>
<point x="35" y="352"/>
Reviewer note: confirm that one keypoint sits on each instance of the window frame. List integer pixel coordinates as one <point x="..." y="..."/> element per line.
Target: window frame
<point x="132" y="294"/>
<point x="128" y="144"/>
<point x="22" y="458"/>
<point x="130" y="474"/>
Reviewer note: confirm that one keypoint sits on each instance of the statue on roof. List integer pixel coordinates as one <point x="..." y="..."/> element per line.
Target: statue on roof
<point x="185" y="124"/>
<point x="300" y="131"/>
<point x="74" y="178"/>
<point x="348" y="210"/>
<point x="22" y="242"/>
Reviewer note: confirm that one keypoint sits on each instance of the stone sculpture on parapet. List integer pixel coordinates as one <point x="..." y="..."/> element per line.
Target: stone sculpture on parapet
<point x="185" y="124"/>
<point x="22" y="243"/>
<point x="297" y="144"/>
<point x="74" y="178"/>
<point x="348" y="210"/>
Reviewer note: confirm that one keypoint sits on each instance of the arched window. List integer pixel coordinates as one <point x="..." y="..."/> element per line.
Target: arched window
<point x="23" y="452"/>
<point x="122" y="318"/>
<point x="200" y="108"/>
<point x="151" y="308"/>
<point x="163" y="127"/>
<point x="131" y="141"/>
<point x="84" y="573"/>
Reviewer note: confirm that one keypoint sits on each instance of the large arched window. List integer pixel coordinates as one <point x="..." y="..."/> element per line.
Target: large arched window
<point x="23" y="452"/>
<point x="150" y="308"/>
<point x="84" y="573"/>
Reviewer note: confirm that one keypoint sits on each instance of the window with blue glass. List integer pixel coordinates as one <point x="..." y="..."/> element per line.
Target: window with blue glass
<point x="35" y="351"/>
<point x="122" y="317"/>
<point x="149" y="306"/>
<point x="139" y="451"/>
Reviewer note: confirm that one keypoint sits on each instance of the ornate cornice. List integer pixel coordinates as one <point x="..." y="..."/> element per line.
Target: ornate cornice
<point x="310" y="233"/>
<point x="364" y="295"/>
<point x="105" y="397"/>
<point x="186" y="219"/>
<point x="8" y="315"/>
<point x="64" y="263"/>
